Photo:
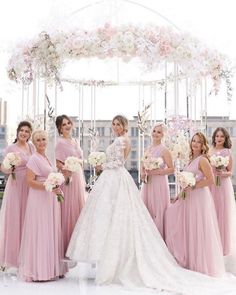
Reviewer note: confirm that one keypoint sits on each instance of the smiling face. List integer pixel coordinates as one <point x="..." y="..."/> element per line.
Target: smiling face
<point x="66" y="127"/>
<point x="196" y="145"/>
<point x="219" y="139"/>
<point x="40" y="141"/>
<point x="117" y="127"/>
<point x="24" y="134"/>
<point x="157" y="133"/>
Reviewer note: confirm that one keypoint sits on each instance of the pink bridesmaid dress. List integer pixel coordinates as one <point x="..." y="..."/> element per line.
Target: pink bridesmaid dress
<point x="41" y="251"/>
<point x="13" y="209"/>
<point x="191" y="229"/>
<point x="155" y="193"/>
<point x="74" y="192"/>
<point x="223" y="197"/>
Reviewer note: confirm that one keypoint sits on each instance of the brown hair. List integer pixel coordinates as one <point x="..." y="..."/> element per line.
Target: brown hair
<point x="20" y="125"/>
<point x="204" y="142"/>
<point x="227" y="143"/>
<point x="59" y="120"/>
<point x="123" y="121"/>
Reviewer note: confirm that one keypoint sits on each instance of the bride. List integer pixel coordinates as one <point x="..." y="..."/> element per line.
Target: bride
<point x="116" y="231"/>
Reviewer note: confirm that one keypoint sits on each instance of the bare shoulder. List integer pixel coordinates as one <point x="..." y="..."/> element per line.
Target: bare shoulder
<point x="126" y="140"/>
<point x="204" y="162"/>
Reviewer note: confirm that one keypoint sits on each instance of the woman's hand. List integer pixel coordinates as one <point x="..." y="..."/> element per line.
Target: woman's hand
<point x="98" y="168"/>
<point x="154" y="172"/>
<point x="66" y="173"/>
<point x="57" y="190"/>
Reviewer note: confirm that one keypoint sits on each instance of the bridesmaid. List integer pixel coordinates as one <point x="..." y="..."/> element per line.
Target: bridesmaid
<point x="191" y="231"/>
<point x="155" y="193"/>
<point x="41" y="251"/>
<point x="74" y="192"/>
<point x="223" y="195"/>
<point x="15" y="198"/>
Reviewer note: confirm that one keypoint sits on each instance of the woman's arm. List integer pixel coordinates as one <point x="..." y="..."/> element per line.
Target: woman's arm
<point x="32" y="182"/>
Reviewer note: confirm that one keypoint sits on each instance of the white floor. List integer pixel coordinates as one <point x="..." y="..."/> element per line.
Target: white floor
<point x="76" y="282"/>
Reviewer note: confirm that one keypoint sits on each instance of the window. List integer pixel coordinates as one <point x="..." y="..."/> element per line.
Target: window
<point x="101" y="131"/>
<point x="134" y="131"/>
<point x="133" y="154"/>
<point x="134" y="143"/>
<point x="209" y="131"/>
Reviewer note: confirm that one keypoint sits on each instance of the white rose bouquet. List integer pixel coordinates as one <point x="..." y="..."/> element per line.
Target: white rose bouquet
<point x="11" y="161"/>
<point x="97" y="158"/>
<point x="72" y="164"/>
<point x="184" y="180"/>
<point x="151" y="163"/>
<point x="220" y="163"/>
<point x="53" y="181"/>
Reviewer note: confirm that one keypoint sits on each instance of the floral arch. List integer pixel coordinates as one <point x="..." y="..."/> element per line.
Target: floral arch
<point x="179" y="56"/>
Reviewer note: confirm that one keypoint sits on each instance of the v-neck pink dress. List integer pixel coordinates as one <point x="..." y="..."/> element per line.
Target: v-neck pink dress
<point x="223" y="197"/>
<point x="74" y="192"/>
<point x="191" y="229"/>
<point x="41" y="251"/>
<point x="12" y="212"/>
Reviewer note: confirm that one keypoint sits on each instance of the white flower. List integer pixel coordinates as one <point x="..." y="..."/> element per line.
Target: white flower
<point x="185" y="179"/>
<point x="73" y="164"/>
<point x="97" y="158"/>
<point x="11" y="160"/>
<point x="54" y="179"/>
<point x="151" y="163"/>
<point x="219" y="161"/>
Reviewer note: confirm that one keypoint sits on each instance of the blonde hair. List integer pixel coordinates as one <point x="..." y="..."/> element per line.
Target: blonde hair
<point x="160" y="124"/>
<point x="39" y="132"/>
<point x="204" y="142"/>
<point x="123" y="121"/>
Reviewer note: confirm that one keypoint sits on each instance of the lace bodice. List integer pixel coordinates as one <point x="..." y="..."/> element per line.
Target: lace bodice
<point x="115" y="154"/>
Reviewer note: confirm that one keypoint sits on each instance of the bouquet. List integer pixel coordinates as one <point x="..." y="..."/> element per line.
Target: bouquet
<point x="11" y="161"/>
<point x="151" y="163"/>
<point x="97" y="158"/>
<point x="54" y="180"/>
<point x="184" y="180"/>
<point x="72" y="164"/>
<point x="220" y="163"/>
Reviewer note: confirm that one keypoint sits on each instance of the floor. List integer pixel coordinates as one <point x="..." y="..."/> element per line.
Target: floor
<point x="76" y="282"/>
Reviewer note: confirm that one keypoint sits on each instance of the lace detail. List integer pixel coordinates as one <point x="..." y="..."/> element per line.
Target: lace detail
<point x="115" y="154"/>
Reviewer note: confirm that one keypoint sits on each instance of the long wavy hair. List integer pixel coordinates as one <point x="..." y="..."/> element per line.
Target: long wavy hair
<point x="227" y="143"/>
<point x="20" y="125"/>
<point x="204" y="142"/>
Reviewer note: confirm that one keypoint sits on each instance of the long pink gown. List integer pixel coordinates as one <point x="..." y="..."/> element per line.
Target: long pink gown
<point x="74" y="192"/>
<point x="41" y="251"/>
<point x="13" y="209"/>
<point x="223" y="197"/>
<point x="155" y="193"/>
<point x="191" y="229"/>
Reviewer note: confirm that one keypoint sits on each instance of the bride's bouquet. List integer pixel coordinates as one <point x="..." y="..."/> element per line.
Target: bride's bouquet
<point x="220" y="163"/>
<point x="53" y="181"/>
<point x="72" y="164"/>
<point x="97" y="158"/>
<point x="11" y="161"/>
<point x="184" y="180"/>
<point x="151" y="163"/>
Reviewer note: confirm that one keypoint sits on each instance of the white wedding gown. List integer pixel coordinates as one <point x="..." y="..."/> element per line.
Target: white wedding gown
<point x="116" y="231"/>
